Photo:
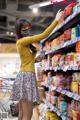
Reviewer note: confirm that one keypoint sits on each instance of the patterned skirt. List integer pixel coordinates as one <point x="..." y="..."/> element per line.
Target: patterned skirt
<point x="25" y="87"/>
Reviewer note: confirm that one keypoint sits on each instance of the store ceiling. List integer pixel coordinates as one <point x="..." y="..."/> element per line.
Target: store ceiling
<point x="11" y="9"/>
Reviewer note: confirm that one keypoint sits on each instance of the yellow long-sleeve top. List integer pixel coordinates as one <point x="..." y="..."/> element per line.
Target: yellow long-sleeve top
<point x="27" y="57"/>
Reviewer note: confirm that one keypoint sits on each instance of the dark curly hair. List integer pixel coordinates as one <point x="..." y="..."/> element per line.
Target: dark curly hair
<point x="18" y="25"/>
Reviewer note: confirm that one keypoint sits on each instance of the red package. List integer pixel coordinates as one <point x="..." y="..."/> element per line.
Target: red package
<point x="69" y="57"/>
<point x="78" y="47"/>
<point x="68" y="9"/>
<point x="61" y="40"/>
<point x="67" y="35"/>
<point x="78" y="116"/>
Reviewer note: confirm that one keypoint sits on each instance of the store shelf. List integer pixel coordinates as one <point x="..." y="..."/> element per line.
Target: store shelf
<point x="54" y="109"/>
<point x="63" y="69"/>
<point x="67" y="93"/>
<point x="66" y="46"/>
<point x="69" y="22"/>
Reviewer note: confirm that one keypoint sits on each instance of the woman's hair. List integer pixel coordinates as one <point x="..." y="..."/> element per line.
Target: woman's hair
<point x="18" y="25"/>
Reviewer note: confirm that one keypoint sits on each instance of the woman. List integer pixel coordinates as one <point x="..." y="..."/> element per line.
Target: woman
<point x="24" y="87"/>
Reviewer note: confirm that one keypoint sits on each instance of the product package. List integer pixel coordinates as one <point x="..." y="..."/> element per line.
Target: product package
<point x="69" y="9"/>
<point x="78" y="47"/>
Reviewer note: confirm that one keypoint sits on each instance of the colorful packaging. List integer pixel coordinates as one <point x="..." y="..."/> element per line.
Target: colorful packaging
<point x="74" y="87"/>
<point x="67" y="35"/>
<point x="51" y="116"/>
<point x="76" y="7"/>
<point x="78" y="47"/>
<point x="55" y="60"/>
<point x="73" y="33"/>
<point x="63" y="106"/>
<point x="76" y="115"/>
<point x="48" y="46"/>
<point x="78" y="30"/>
<point x="69" y="59"/>
<point x="54" y="44"/>
<point x="68" y="9"/>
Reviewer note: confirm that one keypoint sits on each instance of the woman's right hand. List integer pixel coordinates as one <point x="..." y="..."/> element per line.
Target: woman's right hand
<point x="59" y="15"/>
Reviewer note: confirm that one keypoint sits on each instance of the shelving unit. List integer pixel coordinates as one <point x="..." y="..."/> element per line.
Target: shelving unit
<point x="65" y="92"/>
<point x="56" y="69"/>
<point x="54" y="109"/>
<point x="66" y="45"/>
<point x="69" y="23"/>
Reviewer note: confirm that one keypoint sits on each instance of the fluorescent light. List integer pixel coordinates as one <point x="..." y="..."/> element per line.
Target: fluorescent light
<point x="35" y="10"/>
<point x="12" y="33"/>
<point x="41" y="4"/>
<point x="44" y="4"/>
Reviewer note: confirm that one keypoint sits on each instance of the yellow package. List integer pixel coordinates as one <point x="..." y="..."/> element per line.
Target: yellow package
<point x="47" y="115"/>
<point x="74" y="86"/>
<point x="53" y="116"/>
<point x="54" y="44"/>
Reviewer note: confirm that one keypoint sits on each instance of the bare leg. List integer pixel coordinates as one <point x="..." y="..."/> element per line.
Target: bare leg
<point x="20" y="111"/>
<point x="27" y="108"/>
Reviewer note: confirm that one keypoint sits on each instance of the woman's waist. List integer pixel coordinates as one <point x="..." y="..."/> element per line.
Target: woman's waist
<point x="27" y="69"/>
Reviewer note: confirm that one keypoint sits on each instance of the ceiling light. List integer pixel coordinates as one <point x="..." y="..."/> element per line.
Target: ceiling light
<point x="41" y="4"/>
<point x="35" y="10"/>
<point x="7" y="32"/>
<point x="11" y="33"/>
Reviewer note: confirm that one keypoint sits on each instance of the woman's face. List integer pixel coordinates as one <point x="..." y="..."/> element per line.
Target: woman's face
<point x="26" y="30"/>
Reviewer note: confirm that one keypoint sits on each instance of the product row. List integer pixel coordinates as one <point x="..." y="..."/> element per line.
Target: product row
<point x="63" y="81"/>
<point x="45" y="113"/>
<point x="70" y="61"/>
<point x="63" y="106"/>
<point x="69" y="34"/>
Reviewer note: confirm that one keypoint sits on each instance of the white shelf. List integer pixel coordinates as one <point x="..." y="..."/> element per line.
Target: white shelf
<point x="67" y="93"/>
<point x="69" y="22"/>
<point x="55" y="69"/>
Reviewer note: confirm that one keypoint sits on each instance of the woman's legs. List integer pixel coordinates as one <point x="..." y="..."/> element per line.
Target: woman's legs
<point x="27" y="108"/>
<point x="20" y="111"/>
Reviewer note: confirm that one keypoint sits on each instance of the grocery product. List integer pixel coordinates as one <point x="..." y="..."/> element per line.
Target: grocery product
<point x="67" y="35"/>
<point x="76" y="7"/>
<point x="78" y="47"/>
<point x="69" y="9"/>
<point x="51" y="116"/>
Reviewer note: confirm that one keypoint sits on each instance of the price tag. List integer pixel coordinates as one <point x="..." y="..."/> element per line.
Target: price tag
<point x="65" y="68"/>
<point x="65" y="44"/>
<point x="79" y="98"/>
<point x="63" y="92"/>
<point x="68" y="19"/>
<point x="57" y="90"/>
<point x="69" y="94"/>
<point x="53" y="88"/>
<point x="51" y="109"/>
<point x="75" y="97"/>
<point x="58" y="113"/>
<point x="73" y="15"/>
<point x="55" y="69"/>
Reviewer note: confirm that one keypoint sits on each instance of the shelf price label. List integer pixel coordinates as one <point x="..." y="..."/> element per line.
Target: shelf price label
<point x="70" y="94"/>
<point x="77" y="97"/>
<point x="63" y="92"/>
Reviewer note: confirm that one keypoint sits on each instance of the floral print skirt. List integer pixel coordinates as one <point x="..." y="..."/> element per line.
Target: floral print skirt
<point x="25" y="87"/>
